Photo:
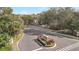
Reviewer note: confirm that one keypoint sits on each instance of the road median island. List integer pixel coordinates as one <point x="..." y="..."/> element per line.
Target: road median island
<point x="42" y="47"/>
<point x="45" y="41"/>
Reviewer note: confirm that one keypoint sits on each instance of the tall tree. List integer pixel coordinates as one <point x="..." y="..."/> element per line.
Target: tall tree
<point x="10" y="25"/>
<point x="7" y="10"/>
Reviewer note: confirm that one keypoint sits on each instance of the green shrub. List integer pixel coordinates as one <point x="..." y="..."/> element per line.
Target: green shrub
<point x="4" y="39"/>
<point x="6" y="48"/>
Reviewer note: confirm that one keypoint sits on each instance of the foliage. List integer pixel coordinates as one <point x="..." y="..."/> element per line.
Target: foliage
<point x="4" y="39"/>
<point x="10" y="25"/>
<point x="6" y="48"/>
<point x="7" y="10"/>
<point x="28" y="19"/>
<point x="60" y="18"/>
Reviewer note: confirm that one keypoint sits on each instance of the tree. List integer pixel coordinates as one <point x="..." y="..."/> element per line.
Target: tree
<point x="7" y="10"/>
<point x="4" y="39"/>
<point x="73" y="25"/>
<point x="60" y="19"/>
<point x="28" y="19"/>
<point x="10" y="25"/>
<point x="57" y="18"/>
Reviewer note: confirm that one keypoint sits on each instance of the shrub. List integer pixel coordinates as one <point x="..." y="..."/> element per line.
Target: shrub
<point x="4" y="39"/>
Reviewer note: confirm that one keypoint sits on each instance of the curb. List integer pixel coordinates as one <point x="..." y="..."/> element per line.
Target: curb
<point x="19" y="41"/>
<point x="38" y="49"/>
<point x="52" y="47"/>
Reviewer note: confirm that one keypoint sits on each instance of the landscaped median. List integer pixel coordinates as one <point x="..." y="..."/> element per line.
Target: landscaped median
<point x="16" y="40"/>
<point x="45" y="41"/>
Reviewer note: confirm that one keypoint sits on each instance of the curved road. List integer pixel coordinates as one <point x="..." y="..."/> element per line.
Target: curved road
<point x="28" y="43"/>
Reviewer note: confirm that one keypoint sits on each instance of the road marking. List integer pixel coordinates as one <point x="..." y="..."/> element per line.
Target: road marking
<point x="19" y="41"/>
<point x="37" y="49"/>
<point x="43" y="48"/>
<point x="51" y="47"/>
<point x="69" y="47"/>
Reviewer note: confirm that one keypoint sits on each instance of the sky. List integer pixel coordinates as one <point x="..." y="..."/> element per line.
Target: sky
<point x="31" y="10"/>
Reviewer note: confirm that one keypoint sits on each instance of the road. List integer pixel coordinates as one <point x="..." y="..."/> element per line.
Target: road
<point x="31" y="33"/>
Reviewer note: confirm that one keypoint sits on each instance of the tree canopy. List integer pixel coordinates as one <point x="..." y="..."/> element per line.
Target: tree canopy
<point x="10" y="25"/>
<point x="60" y="18"/>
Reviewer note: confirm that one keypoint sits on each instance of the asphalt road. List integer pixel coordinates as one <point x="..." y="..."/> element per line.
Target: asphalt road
<point x="75" y="49"/>
<point x="31" y="33"/>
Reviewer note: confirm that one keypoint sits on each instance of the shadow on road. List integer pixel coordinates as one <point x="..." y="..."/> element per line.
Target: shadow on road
<point x="33" y="32"/>
<point x="38" y="32"/>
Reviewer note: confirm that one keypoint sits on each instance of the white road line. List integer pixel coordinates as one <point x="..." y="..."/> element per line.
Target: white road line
<point x="69" y="47"/>
<point x="51" y="47"/>
<point x="54" y="45"/>
<point x="37" y="49"/>
<point x="44" y="48"/>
